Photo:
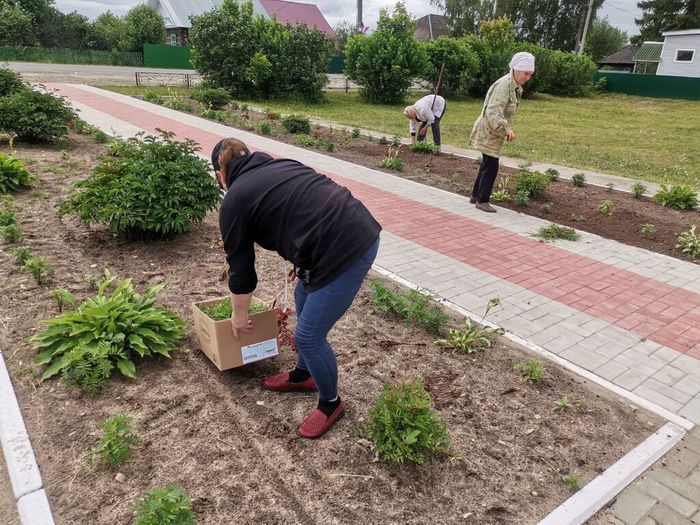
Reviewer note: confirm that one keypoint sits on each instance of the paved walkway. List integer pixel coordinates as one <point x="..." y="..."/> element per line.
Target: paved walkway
<point x="627" y="315"/>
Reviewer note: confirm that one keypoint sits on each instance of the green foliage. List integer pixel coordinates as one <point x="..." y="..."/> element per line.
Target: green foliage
<point x="62" y="298"/>
<point x="384" y="63"/>
<point x="13" y="174"/>
<point x="604" y="39"/>
<point x="546" y="207"/>
<point x="147" y="187"/>
<point x="554" y="231"/>
<point x="21" y="254"/>
<point x="664" y="15"/>
<point x="152" y="96"/>
<point x="648" y="229"/>
<point x="578" y="180"/>
<point x="265" y="128"/>
<point x="572" y="482"/>
<point x="531" y="370"/>
<point x="114" y="446"/>
<point x="253" y="57"/>
<point x="500" y="195"/>
<point x="681" y="197"/>
<point x="606" y="207"/>
<point x="7" y="216"/>
<point x="392" y="161"/>
<point x="35" y="116"/>
<point x="473" y="338"/>
<point x="412" y="306"/>
<point x="306" y="141"/>
<point x="383" y="140"/>
<point x="522" y="198"/>
<point x="638" y="189"/>
<point x="107" y="32"/>
<point x="533" y="183"/>
<point x="39" y="268"/>
<point x="86" y="344"/>
<point x="296" y="124"/>
<point x="214" y="98"/>
<point x="461" y="65"/>
<point x="577" y="217"/>
<point x="425" y="147"/>
<point x="273" y="115"/>
<point x="164" y="506"/>
<point x="403" y="427"/>
<point x="573" y="75"/>
<point x="10" y="233"/>
<point x="355" y="133"/>
<point x="553" y="174"/>
<point x="689" y="242"/>
<point x="610" y="186"/>
<point x="143" y="25"/>
<point x="224" y="309"/>
<point x="16" y="26"/>
<point x="10" y="82"/>
<point x="214" y="114"/>
<point x="176" y="103"/>
<point x="562" y="404"/>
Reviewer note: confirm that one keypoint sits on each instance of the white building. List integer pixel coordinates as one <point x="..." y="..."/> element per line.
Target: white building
<point x="679" y="56"/>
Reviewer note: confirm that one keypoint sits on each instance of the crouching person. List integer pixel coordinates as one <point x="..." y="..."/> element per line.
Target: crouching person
<point x="329" y="237"/>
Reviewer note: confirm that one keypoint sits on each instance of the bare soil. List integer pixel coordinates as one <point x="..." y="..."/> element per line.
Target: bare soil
<point x="233" y="446"/>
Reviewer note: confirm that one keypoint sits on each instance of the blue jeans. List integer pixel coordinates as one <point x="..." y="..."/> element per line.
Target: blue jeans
<point x="317" y="312"/>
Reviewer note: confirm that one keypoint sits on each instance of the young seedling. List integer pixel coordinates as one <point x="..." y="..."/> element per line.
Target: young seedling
<point x="562" y="404"/>
<point x="223" y="309"/>
<point x="7" y="217"/>
<point x="114" y="446"/>
<point x="62" y="298"/>
<point x="396" y="141"/>
<point x="11" y="233"/>
<point x="572" y="482"/>
<point x="689" y="242"/>
<point x="521" y="198"/>
<point x="392" y="161"/>
<point x="546" y="207"/>
<point x="578" y="180"/>
<point x="638" y="189"/>
<point x="383" y="140"/>
<point x="39" y="268"/>
<point x="606" y="207"/>
<point x="552" y="174"/>
<point x="413" y="307"/>
<point x="554" y="231"/>
<point x="531" y="370"/>
<point x="648" y="229"/>
<point x="577" y="218"/>
<point x="164" y="506"/>
<point x="501" y="194"/>
<point x="474" y="338"/>
<point x="355" y="133"/>
<point x="21" y="254"/>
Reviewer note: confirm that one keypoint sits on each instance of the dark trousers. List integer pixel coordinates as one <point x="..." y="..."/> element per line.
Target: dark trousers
<point x="434" y="127"/>
<point x="483" y="186"/>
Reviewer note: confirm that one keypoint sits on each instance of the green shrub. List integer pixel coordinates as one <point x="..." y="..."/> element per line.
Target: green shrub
<point x="85" y="345"/>
<point x="578" y="180"/>
<point x="7" y="217"/>
<point x="306" y="141"/>
<point x="533" y="183"/>
<point x="10" y="82"/>
<point x="500" y="195"/>
<point x="606" y="207"/>
<point x="148" y="187"/>
<point x="164" y="506"/>
<point x="392" y="161"/>
<point x="13" y="174"/>
<point x="610" y="186"/>
<point x="326" y="144"/>
<point x="21" y="254"/>
<point x="355" y="133"/>
<point x="554" y="231"/>
<point x="296" y="124"/>
<point x="681" y="197"/>
<point x="39" y="268"/>
<point x="35" y="116"/>
<point x="638" y="189"/>
<point x="114" y="446"/>
<point x="552" y="174"/>
<point x="531" y="370"/>
<point x="152" y="96"/>
<point x="383" y="140"/>
<point x="522" y="198"/>
<point x="177" y="104"/>
<point x="577" y="217"/>
<point x="425" y="147"/>
<point x="214" y="114"/>
<point x="689" y="242"/>
<point x="62" y="298"/>
<point x="412" y="306"/>
<point x="224" y="309"/>
<point x="265" y="128"/>
<point x="403" y="427"/>
<point x="215" y="98"/>
<point x="546" y="207"/>
<point x="573" y="77"/>
<point x="461" y="65"/>
<point x="10" y="233"/>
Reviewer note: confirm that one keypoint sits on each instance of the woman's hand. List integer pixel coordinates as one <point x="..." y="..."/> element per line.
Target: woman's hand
<point x="241" y="323"/>
<point x="510" y="135"/>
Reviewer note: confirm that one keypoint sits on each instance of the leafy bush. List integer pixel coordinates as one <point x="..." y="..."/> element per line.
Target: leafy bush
<point x="296" y="124"/>
<point x="403" y="427"/>
<point x="500" y="195"/>
<point x="10" y="233"/>
<point x="214" y="114"/>
<point x="681" y="197"/>
<point x="461" y="65"/>
<point x="521" y="198"/>
<point x="13" y="174"/>
<point x="573" y="77"/>
<point x="606" y="207"/>
<point x="533" y="183"/>
<point x="474" y="338"/>
<point x="425" y="147"/>
<point x="215" y="98"/>
<point x="385" y="63"/>
<point x="265" y="128"/>
<point x="546" y="207"/>
<point x="114" y="446"/>
<point x="392" y="161"/>
<point x="86" y="344"/>
<point x="412" y="306"/>
<point x="578" y="180"/>
<point x="62" y="298"/>
<point x="554" y="231"/>
<point x="10" y="82"/>
<point x="21" y="254"/>
<point x="552" y="174"/>
<point x="35" y="116"/>
<point x="39" y="268"/>
<point x="577" y="217"/>
<point x="148" y="187"/>
<point x="152" y="96"/>
<point x="164" y="506"/>
<point x="177" y="104"/>
<point x="689" y="242"/>
<point x="307" y="141"/>
<point x="355" y="133"/>
<point x="638" y="189"/>
<point x="530" y="370"/>
<point x="7" y="216"/>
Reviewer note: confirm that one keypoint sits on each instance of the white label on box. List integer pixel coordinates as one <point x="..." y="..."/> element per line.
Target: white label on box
<point x="258" y="351"/>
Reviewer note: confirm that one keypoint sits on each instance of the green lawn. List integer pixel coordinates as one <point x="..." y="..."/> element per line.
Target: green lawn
<point x="651" y="139"/>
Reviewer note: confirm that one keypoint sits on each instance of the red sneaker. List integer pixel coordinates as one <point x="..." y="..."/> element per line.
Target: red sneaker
<point x="317" y="424"/>
<point x="281" y="383"/>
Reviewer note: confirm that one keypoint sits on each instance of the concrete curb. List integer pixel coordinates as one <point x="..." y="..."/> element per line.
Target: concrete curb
<point x="27" y="485"/>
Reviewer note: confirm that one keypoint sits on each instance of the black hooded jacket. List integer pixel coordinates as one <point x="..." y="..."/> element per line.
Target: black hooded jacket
<point x="287" y="207"/>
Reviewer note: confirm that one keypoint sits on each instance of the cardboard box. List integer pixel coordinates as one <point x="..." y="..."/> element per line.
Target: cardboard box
<point x="224" y="350"/>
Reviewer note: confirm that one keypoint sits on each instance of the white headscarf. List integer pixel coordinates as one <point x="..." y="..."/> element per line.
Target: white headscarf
<point x="522" y="61"/>
<point x="408" y="110"/>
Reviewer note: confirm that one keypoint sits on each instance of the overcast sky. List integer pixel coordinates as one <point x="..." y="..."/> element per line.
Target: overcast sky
<point x="621" y="13"/>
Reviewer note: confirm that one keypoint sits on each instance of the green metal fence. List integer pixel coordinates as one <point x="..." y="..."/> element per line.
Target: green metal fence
<point x="170" y="57"/>
<point x="69" y="56"/>
<point x="660" y="86"/>
<point x="337" y="65"/>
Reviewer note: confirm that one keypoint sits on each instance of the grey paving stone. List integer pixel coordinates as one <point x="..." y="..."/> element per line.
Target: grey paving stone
<point x="668" y="516"/>
<point x="611" y="370"/>
<point x="669" y="376"/>
<point x="695" y="519"/>
<point x="689" y="384"/>
<point x="689" y="364"/>
<point x="666" y="354"/>
<point x="682" y="462"/>
<point x="632" y="505"/>
<point x="639" y="363"/>
<point x="668" y="497"/>
<point x="561" y="343"/>
<point x="585" y="358"/>
<point x="610" y="350"/>
<point x="667" y="391"/>
<point x="652" y="394"/>
<point x="630" y="379"/>
<point x="691" y="410"/>
<point x="677" y="480"/>
<point x="596" y="325"/>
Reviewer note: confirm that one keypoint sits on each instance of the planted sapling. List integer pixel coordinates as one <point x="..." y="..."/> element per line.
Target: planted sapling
<point x="355" y="133"/>
<point x="474" y="338"/>
<point x="562" y="404"/>
<point x="689" y="242"/>
<point x="265" y="128"/>
<point x="531" y="370"/>
<point x="648" y="229"/>
<point x="577" y="217"/>
<point x="546" y="207"/>
<point x="392" y="160"/>
<point x="638" y="189"/>
<point x="610" y="186"/>
<point x="552" y="174"/>
<point x="21" y="254"/>
<point x="606" y="207"/>
<point x="521" y="198"/>
<point x="413" y="307"/>
<point x="164" y="506"/>
<point x="62" y="298"/>
<point x="114" y="446"/>
<point x="572" y="482"/>
<point x="10" y="233"/>
<point x="39" y="268"/>
<point x="578" y="180"/>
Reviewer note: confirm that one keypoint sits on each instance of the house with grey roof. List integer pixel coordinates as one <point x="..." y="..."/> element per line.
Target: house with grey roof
<point x="432" y="26"/>
<point x="679" y="55"/>
<point x="622" y="60"/>
<point x="177" y="15"/>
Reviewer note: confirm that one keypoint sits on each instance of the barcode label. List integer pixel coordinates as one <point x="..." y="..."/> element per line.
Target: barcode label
<point x="258" y="351"/>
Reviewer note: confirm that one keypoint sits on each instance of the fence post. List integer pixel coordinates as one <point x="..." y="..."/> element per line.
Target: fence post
<point x="347" y="84"/>
<point x="137" y="79"/>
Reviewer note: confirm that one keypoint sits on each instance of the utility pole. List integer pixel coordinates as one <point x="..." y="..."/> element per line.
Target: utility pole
<point x="359" y="24"/>
<point x="582" y="44"/>
<point x="495" y="8"/>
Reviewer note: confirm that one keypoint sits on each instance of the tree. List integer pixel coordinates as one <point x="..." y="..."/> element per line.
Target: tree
<point x="16" y="27"/>
<point x="343" y="31"/>
<point x="107" y="32"/>
<point x="384" y="63"/>
<point x="666" y="15"/>
<point x="143" y="25"/>
<point x="604" y="39"/>
<point x="68" y="31"/>
<point x="464" y="15"/>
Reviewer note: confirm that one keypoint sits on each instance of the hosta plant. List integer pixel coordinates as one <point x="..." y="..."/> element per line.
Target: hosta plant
<point x="403" y="427"/>
<point x="689" y="242"/>
<point x="425" y="147"/>
<point x="474" y="338"/>
<point x="13" y="174"/>
<point x="392" y="161"/>
<point x="148" y="187"/>
<point x="606" y="207"/>
<point x="681" y="197"/>
<point x="164" y="506"/>
<point x="107" y="332"/>
<point x="114" y="446"/>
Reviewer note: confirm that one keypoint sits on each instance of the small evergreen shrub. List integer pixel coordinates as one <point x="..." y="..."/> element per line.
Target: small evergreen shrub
<point x="114" y="446"/>
<point x="638" y="189"/>
<point x="552" y="174"/>
<point x="11" y="233"/>
<point x="164" y="506"/>
<point x="689" y="242"/>
<point x="10" y="82"/>
<point x="39" y="268"/>
<point x="13" y="174"/>
<point x="681" y="197"/>
<point x="403" y="427"/>
<point x="148" y="187"/>
<point x="533" y="183"/>
<point x="578" y="180"/>
<point x="355" y="133"/>
<point x="215" y="98"/>
<point x="35" y="116"/>
<point x="296" y="124"/>
<point x="21" y="254"/>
